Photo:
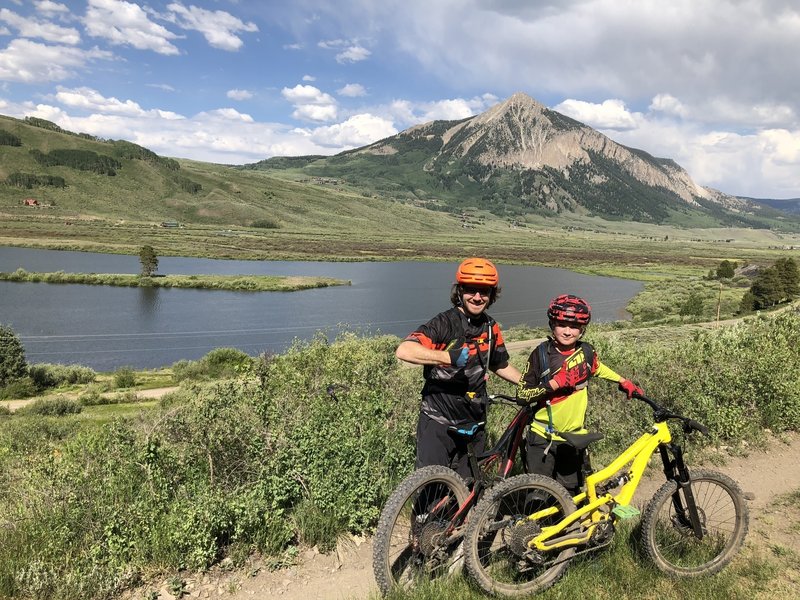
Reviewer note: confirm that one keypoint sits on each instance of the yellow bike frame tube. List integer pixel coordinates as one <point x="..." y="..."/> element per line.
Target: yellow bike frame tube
<point x="543" y="541"/>
<point x="637" y="455"/>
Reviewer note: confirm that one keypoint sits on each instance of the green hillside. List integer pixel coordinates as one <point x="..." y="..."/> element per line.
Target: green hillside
<point x="290" y="211"/>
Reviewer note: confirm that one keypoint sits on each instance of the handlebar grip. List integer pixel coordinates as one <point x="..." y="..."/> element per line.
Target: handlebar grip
<point x="694" y="425"/>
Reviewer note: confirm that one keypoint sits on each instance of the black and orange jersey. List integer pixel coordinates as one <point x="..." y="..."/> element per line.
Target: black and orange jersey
<point x="454" y="395"/>
<point x="568" y="406"/>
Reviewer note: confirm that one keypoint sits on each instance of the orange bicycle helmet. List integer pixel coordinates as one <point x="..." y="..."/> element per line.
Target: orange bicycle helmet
<point x="570" y="309"/>
<point x="477" y="271"/>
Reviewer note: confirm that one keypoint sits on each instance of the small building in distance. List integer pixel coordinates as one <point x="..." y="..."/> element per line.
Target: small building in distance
<point x="30" y="202"/>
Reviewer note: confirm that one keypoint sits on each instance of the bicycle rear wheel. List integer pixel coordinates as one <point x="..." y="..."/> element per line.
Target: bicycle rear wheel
<point x="498" y="531"/>
<point x="667" y="532"/>
<point x="412" y="541"/>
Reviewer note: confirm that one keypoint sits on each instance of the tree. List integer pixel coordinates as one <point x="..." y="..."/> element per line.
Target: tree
<point x="148" y="260"/>
<point x="789" y="276"/>
<point x="693" y="306"/>
<point x="726" y="269"/>
<point x="748" y="303"/>
<point x="767" y="289"/>
<point x="12" y="357"/>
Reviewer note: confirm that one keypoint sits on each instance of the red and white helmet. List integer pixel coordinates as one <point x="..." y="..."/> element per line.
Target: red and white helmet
<point x="570" y="309"/>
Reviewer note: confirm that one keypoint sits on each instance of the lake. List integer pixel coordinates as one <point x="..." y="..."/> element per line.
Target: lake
<point x="106" y="327"/>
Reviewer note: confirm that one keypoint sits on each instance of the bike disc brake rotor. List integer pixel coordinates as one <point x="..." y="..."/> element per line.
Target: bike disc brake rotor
<point x="684" y="524"/>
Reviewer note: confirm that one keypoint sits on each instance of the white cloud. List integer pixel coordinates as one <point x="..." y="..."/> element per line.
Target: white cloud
<point x="310" y="103"/>
<point x="406" y="113"/>
<point x="353" y="54"/>
<point x="126" y="24"/>
<point x="610" y="114"/>
<point x="670" y="105"/>
<point x="161" y="86"/>
<point x="32" y="62"/>
<point x="4" y="30"/>
<point x="90" y="100"/>
<point x="309" y="78"/>
<point x="218" y="27"/>
<point x="226" y="114"/>
<point x="358" y="130"/>
<point x="352" y="90"/>
<point x="50" y="8"/>
<point x="347" y="50"/>
<point x="33" y="28"/>
<point x="239" y="94"/>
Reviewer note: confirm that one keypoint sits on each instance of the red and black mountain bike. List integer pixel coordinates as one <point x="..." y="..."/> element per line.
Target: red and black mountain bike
<point x="420" y="530"/>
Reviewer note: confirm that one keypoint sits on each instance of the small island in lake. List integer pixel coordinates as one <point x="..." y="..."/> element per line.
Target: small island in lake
<point x="236" y="283"/>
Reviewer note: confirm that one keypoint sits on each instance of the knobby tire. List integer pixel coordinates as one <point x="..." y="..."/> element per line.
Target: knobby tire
<point x="669" y="539"/>
<point x="496" y="536"/>
<point x="409" y="543"/>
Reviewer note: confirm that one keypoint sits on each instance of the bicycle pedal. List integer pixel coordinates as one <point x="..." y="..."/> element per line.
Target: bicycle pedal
<point x="626" y="511"/>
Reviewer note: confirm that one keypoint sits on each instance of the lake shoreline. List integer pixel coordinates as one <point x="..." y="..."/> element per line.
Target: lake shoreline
<point x="235" y="283"/>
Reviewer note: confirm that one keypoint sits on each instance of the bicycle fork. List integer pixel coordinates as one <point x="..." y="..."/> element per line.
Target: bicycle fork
<point x="675" y="470"/>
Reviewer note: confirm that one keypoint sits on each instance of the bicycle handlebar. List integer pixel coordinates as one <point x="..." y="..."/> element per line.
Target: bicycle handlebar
<point x="511" y="399"/>
<point x="661" y="414"/>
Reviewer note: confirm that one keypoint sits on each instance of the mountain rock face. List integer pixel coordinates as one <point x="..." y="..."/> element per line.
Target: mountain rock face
<point x="519" y="157"/>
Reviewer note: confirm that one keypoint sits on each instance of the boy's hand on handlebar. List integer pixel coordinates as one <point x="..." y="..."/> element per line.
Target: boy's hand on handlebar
<point x="630" y="388"/>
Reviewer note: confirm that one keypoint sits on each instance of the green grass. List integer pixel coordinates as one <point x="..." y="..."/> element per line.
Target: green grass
<point x="620" y="572"/>
<point x="248" y="283"/>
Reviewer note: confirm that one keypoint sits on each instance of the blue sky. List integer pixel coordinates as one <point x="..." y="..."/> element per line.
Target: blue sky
<point x="712" y="84"/>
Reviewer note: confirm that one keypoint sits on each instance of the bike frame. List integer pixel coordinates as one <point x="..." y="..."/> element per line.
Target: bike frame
<point x="502" y="453"/>
<point x="595" y="504"/>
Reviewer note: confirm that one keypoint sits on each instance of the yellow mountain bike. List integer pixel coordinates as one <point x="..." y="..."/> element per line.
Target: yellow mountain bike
<point x="522" y="535"/>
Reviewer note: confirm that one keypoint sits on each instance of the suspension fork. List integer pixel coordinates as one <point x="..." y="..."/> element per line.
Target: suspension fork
<point x="675" y="470"/>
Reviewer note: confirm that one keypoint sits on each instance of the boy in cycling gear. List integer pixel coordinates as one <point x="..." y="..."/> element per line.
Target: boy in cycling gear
<point x="556" y="379"/>
<point x="458" y="348"/>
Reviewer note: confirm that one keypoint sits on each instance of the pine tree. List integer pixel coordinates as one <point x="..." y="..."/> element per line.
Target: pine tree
<point x="148" y="260"/>
<point x="789" y="276"/>
<point x="12" y="356"/>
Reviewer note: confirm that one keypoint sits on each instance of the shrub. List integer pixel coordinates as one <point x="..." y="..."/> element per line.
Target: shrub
<point x="19" y="388"/>
<point x="46" y="375"/>
<point x="54" y="407"/>
<point x="9" y="139"/>
<point x="220" y="363"/>
<point x="265" y="224"/>
<point x="12" y="356"/>
<point x="124" y="377"/>
<point x="4" y="410"/>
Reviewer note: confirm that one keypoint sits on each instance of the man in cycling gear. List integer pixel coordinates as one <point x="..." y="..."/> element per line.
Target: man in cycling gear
<point x="458" y="348"/>
<point x="556" y="379"/>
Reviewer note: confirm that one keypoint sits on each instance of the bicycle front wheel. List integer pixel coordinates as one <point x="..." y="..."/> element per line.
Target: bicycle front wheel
<point x="414" y="540"/>
<point x="667" y="532"/>
<point x="498" y="531"/>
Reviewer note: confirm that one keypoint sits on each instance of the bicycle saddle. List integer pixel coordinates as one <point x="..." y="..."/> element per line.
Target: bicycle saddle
<point x="581" y="441"/>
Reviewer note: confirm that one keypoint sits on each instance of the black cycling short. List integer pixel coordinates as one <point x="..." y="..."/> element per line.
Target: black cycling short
<point x="438" y="446"/>
<point x="562" y="462"/>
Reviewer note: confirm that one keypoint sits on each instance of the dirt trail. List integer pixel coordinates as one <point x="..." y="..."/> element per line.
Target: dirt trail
<point x="769" y="470"/>
<point x="151" y="394"/>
